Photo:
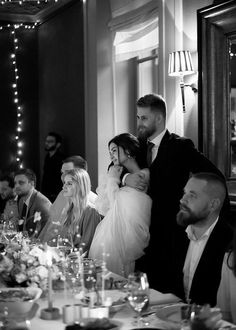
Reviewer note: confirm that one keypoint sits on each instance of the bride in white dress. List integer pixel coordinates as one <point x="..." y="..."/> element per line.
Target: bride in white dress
<point x="123" y="234"/>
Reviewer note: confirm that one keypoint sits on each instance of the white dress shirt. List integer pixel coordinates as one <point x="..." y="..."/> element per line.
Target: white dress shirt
<point x="157" y="141"/>
<point x="194" y="253"/>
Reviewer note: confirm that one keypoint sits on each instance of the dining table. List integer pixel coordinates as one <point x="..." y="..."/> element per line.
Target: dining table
<point x="122" y="318"/>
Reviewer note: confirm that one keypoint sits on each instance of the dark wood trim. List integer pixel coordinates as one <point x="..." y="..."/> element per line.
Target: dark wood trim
<point x="215" y="26"/>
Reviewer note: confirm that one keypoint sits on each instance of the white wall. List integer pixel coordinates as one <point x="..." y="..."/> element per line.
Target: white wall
<point x="180" y="33"/>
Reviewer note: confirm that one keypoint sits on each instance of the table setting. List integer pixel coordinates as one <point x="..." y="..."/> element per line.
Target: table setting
<point x="43" y="286"/>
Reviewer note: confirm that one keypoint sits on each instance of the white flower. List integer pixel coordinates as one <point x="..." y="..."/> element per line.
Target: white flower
<point x="37" y="216"/>
<point x="20" y="277"/>
<point x="40" y="254"/>
<point x="42" y="272"/>
<point x="6" y="264"/>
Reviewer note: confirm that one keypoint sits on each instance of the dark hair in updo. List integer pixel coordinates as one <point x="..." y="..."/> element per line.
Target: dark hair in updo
<point x="129" y="143"/>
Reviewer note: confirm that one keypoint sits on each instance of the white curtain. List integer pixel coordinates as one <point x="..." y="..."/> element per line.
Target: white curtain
<point x="135" y="23"/>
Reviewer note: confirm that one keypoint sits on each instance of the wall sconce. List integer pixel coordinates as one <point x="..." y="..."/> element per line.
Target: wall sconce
<point x="180" y="65"/>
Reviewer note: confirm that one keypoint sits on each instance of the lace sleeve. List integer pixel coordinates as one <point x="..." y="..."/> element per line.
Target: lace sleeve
<point x="106" y="192"/>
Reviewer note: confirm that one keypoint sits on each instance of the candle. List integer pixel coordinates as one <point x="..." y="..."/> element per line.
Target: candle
<point x="81" y="270"/>
<point x="49" y="287"/>
<point x="49" y="265"/>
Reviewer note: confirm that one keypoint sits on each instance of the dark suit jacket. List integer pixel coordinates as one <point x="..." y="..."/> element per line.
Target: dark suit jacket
<point x="207" y="276"/>
<point x="177" y="158"/>
<point x="38" y="203"/>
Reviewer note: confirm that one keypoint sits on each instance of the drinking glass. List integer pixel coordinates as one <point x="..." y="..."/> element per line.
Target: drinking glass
<point x="185" y="312"/>
<point x="72" y="272"/>
<point x="9" y="230"/>
<point x="90" y="276"/>
<point x="138" y="295"/>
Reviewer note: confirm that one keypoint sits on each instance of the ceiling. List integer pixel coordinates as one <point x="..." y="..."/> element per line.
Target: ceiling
<point x="30" y="11"/>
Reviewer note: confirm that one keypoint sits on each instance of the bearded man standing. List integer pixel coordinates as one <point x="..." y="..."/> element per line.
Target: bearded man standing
<point x="51" y="181"/>
<point x="171" y="160"/>
<point x="200" y="255"/>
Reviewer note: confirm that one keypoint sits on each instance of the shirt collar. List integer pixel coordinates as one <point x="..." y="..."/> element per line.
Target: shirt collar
<point x="192" y="237"/>
<point x="158" y="138"/>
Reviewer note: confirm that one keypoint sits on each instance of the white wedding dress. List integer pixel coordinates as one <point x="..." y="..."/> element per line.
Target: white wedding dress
<point x="123" y="233"/>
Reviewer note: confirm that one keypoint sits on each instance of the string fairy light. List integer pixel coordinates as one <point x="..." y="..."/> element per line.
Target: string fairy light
<point x="15" y="93"/>
<point x="21" y="2"/>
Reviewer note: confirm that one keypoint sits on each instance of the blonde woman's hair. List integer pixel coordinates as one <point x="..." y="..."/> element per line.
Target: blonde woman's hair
<point x="80" y="200"/>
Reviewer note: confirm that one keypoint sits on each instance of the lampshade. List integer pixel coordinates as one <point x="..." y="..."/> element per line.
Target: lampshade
<point x="180" y="63"/>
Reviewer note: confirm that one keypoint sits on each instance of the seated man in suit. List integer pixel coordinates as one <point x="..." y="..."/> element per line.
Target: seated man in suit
<point x="199" y="256"/>
<point x="33" y="206"/>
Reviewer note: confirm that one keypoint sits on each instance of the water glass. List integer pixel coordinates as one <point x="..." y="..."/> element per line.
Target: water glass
<point x="90" y="277"/>
<point x="9" y="230"/>
<point x="138" y="295"/>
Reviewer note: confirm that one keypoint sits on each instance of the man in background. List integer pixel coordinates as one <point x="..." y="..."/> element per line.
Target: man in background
<point x="33" y="207"/>
<point x="51" y="181"/>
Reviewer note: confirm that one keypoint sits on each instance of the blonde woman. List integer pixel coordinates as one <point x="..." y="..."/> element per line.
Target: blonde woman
<point x="78" y="223"/>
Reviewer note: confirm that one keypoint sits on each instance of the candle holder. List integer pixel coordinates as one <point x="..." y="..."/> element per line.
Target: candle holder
<point x="50" y="313"/>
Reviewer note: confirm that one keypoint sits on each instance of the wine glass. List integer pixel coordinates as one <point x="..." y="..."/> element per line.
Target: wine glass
<point x="138" y="294"/>
<point x="9" y="230"/>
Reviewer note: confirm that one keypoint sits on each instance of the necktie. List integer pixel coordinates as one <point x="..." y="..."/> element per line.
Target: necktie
<point x="23" y="217"/>
<point x="149" y="152"/>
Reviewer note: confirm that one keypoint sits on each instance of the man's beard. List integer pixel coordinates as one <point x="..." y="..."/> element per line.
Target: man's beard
<point x="52" y="148"/>
<point x="187" y="217"/>
<point x="144" y="133"/>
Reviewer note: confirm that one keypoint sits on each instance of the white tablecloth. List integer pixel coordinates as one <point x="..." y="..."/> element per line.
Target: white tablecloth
<point x="124" y="317"/>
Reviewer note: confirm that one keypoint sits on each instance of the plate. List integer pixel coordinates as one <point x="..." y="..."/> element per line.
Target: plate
<point x="171" y="314"/>
<point x="114" y="308"/>
<point x="18" y="305"/>
<point x="115" y="297"/>
<point x="22" y="317"/>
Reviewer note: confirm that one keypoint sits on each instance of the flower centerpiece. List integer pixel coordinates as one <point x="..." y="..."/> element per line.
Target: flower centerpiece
<point x="25" y="265"/>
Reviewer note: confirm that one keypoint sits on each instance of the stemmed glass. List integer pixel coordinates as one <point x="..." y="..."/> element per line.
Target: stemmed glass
<point x="138" y="294"/>
<point x="9" y="230"/>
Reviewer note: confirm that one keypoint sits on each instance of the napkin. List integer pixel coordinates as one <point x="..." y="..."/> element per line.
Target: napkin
<point x="158" y="298"/>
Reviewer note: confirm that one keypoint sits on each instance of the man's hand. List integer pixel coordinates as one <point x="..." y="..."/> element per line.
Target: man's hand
<point x="137" y="181"/>
<point x="208" y="318"/>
